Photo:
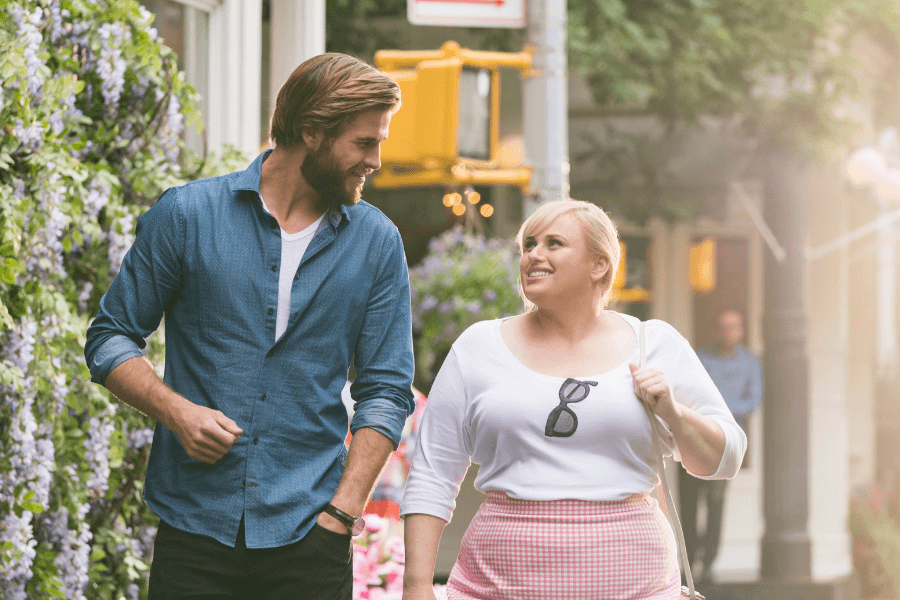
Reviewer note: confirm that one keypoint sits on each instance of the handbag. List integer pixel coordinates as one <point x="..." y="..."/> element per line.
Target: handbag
<point x="687" y="591"/>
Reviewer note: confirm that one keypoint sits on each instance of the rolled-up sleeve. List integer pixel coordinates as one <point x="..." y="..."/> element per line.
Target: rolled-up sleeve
<point x="694" y="388"/>
<point x="382" y="390"/>
<point x="134" y="305"/>
<point x="441" y="456"/>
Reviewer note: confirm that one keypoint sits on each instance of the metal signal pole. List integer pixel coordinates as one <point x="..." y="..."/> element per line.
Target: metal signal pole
<point x="546" y="104"/>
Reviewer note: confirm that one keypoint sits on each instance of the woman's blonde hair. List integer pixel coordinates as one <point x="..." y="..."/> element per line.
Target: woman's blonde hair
<point x="599" y="231"/>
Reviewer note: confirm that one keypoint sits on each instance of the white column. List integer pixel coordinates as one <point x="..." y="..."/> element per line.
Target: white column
<point x="298" y="33"/>
<point x="829" y="339"/>
<point x="235" y="61"/>
<point x="886" y="294"/>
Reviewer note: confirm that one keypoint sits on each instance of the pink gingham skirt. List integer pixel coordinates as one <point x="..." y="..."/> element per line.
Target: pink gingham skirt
<point x="567" y="550"/>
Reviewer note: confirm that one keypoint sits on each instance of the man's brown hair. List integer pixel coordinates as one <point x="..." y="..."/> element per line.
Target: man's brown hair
<point x="326" y="92"/>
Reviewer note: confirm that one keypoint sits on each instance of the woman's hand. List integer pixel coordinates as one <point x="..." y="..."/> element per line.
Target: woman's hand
<point x="700" y="439"/>
<point x="422" y="592"/>
<point x="421" y="535"/>
<point x="652" y="387"/>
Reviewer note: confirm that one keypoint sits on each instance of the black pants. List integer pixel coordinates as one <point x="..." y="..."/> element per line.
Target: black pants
<point x="186" y="565"/>
<point x="705" y="546"/>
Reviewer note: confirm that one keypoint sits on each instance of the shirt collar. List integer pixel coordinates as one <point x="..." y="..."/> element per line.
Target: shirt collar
<point x="248" y="180"/>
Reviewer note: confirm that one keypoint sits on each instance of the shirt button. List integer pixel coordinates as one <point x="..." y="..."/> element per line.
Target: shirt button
<point x="263" y="398"/>
<point x="274" y="268"/>
<point x="271" y="311"/>
<point x="255" y="441"/>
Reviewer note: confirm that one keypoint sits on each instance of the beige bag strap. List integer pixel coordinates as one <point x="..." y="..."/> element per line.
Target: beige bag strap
<point x="674" y="521"/>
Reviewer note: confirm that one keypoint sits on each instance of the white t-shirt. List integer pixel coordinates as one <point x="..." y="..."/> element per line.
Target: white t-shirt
<point x="293" y="245"/>
<point x="487" y="407"/>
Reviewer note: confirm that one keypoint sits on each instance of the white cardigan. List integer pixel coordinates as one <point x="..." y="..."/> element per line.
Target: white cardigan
<point x="487" y="407"/>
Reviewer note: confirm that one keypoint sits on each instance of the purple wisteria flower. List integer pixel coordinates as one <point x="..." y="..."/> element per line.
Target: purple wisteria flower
<point x="429" y="302"/>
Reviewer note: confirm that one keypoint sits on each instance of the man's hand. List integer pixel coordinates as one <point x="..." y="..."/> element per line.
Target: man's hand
<point x="205" y="434"/>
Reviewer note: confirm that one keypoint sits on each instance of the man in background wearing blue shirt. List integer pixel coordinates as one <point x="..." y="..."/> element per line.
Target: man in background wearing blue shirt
<point x="738" y="375"/>
<point x="271" y="281"/>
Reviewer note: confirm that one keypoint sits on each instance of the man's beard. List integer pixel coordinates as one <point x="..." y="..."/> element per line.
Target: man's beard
<point x="323" y="174"/>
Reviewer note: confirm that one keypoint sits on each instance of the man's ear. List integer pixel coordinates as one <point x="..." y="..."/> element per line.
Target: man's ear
<point x="313" y="138"/>
<point x="601" y="267"/>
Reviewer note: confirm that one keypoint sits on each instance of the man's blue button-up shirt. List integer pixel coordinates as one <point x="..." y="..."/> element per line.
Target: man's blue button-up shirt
<point x="206" y="256"/>
<point x="739" y="378"/>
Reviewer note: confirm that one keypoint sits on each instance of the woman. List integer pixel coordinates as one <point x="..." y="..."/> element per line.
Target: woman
<point x="545" y="403"/>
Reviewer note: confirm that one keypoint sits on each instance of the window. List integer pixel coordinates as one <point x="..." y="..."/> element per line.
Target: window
<point x="184" y="27"/>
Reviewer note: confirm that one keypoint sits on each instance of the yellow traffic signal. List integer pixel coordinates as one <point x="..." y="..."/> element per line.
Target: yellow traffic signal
<point x="446" y="131"/>
<point x="619" y="292"/>
<point x="703" y="265"/>
<point x="621" y="269"/>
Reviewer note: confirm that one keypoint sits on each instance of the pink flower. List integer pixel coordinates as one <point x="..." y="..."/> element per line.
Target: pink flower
<point x="396" y="550"/>
<point x="393" y="581"/>
<point x="375" y="523"/>
<point x="381" y="594"/>
<point x="360" y="593"/>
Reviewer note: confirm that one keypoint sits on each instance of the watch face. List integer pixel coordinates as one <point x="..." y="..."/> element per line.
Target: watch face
<point x="358" y="527"/>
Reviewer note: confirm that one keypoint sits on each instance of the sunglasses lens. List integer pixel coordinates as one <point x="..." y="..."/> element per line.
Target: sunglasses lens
<point x="564" y="424"/>
<point x="573" y="391"/>
<point x="560" y="423"/>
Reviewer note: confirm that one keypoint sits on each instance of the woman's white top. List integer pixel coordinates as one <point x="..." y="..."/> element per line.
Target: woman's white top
<point x="488" y="408"/>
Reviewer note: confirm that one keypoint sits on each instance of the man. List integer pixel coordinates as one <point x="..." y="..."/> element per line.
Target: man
<point x="737" y="374"/>
<point x="271" y="281"/>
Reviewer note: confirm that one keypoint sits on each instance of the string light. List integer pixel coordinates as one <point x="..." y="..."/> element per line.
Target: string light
<point x="448" y="200"/>
<point x="486" y="210"/>
<point x="474" y="197"/>
<point x="457" y="199"/>
<point x="459" y="209"/>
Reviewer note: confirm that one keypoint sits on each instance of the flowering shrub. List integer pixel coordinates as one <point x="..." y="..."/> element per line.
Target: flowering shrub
<point x="378" y="561"/>
<point x="876" y="544"/>
<point x="92" y="112"/>
<point x="465" y="278"/>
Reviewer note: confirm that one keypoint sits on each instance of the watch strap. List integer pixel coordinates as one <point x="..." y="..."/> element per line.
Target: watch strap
<point x="346" y="518"/>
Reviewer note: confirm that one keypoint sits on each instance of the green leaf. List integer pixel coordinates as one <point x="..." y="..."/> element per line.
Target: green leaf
<point x="6" y="546"/>
<point x="33" y="507"/>
<point x="117" y="446"/>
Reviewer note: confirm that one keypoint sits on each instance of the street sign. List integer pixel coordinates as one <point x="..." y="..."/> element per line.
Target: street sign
<point x="467" y="13"/>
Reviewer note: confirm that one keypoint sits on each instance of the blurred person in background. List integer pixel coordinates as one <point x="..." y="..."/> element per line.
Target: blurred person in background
<point x="549" y="403"/>
<point x="737" y="374"/>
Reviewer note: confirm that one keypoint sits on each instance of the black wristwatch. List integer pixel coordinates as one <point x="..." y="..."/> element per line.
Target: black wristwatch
<point x="354" y="524"/>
